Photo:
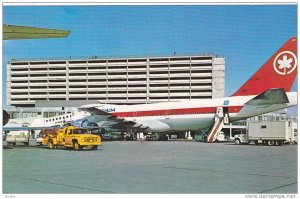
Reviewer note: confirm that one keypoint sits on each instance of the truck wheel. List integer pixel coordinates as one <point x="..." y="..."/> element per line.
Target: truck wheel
<point x="94" y="147"/>
<point x="11" y="143"/>
<point x="237" y="141"/>
<point x="271" y="142"/>
<point x="279" y="143"/>
<point x="76" y="146"/>
<point x="50" y="144"/>
<point x="255" y="142"/>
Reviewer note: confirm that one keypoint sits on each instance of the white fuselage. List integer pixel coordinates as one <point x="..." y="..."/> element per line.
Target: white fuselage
<point x="190" y="114"/>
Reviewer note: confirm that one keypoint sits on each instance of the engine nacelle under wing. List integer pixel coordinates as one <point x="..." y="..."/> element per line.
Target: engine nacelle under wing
<point x="155" y="126"/>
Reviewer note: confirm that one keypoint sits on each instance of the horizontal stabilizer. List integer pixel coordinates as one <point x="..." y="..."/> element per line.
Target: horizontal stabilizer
<point x="269" y="97"/>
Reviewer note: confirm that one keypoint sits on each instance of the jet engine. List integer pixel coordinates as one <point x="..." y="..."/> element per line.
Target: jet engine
<point x="5" y="117"/>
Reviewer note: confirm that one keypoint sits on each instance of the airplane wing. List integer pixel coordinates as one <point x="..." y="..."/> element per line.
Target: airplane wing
<point x="270" y="97"/>
<point x="113" y="121"/>
<point x="11" y="32"/>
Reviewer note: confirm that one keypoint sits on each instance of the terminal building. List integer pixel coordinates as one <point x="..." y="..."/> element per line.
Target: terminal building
<point x="57" y="85"/>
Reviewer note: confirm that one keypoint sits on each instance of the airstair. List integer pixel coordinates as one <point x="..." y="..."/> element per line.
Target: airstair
<point x="215" y="130"/>
<point x="218" y="125"/>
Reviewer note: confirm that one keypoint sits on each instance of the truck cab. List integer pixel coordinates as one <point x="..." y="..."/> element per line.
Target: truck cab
<point x="81" y="137"/>
<point x="241" y="138"/>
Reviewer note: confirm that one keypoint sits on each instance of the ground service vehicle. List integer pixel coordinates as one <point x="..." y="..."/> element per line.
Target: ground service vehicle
<point x="39" y="141"/>
<point x="22" y="139"/>
<point x="202" y="137"/>
<point x="44" y="132"/>
<point x="269" y="133"/>
<point x="110" y="136"/>
<point x="71" y="137"/>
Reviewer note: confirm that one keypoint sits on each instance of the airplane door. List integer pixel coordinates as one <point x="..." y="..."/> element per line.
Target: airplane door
<point x="225" y="110"/>
<point x="226" y="115"/>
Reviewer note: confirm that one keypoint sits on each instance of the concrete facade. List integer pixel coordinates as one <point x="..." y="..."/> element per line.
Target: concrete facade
<point x="46" y="83"/>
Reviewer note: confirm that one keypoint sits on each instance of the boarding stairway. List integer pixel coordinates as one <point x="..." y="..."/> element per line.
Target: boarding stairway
<point x="215" y="130"/>
<point x="220" y="119"/>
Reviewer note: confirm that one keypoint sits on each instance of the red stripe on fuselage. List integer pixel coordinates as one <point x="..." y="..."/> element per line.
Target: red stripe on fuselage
<point x="183" y="111"/>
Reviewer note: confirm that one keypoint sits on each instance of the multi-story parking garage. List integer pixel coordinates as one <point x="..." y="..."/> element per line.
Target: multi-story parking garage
<point x="70" y="82"/>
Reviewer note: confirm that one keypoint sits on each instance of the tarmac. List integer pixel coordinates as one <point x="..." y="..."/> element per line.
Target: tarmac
<point x="122" y="167"/>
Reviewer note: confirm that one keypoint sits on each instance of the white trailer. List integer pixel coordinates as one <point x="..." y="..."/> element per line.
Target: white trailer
<point x="21" y="138"/>
<point x="269" y="133"/>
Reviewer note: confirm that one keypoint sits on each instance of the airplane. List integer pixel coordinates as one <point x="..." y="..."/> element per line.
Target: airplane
<point x="39" y="123"/>
<point x="268" y="90"/>
<point x="33" y="125"/>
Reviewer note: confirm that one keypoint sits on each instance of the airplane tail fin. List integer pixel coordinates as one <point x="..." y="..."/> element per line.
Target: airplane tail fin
<point x="278" y="72"/>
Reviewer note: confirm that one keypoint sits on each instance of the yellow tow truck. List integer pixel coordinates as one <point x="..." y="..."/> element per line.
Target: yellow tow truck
<point x="70" y="137"/>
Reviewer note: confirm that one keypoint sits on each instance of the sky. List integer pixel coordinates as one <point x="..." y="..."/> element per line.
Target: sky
<point x="247" y="35"/>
